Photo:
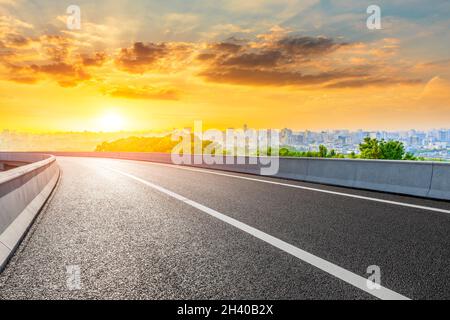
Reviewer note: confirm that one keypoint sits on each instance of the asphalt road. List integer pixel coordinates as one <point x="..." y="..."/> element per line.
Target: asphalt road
<point x="138" y="230"/>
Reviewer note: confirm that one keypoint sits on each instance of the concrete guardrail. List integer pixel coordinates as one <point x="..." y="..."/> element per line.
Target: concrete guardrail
<point x="23" y="192"/>
<point x="417" y="178"/>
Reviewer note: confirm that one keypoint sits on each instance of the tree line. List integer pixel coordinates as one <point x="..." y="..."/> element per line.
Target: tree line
<point x="370" y="148"/>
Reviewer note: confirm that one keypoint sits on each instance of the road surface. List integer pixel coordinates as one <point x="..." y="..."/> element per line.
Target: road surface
<point x="139" y="230"/>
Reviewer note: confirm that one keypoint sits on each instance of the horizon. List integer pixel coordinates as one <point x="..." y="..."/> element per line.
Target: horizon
<point x="169" y="131"/>
<point x="430" y="143"/>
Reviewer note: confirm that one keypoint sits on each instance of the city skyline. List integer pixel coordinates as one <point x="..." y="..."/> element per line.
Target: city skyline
<point x="429" y="143"/>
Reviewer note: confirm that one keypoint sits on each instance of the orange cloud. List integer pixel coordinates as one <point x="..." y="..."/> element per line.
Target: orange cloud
<point x="273" y="59"/>
<point x="143" y="57"/>
<point x="144" y="93"/>
<point x="97" y="59"/>
<point x="140" y="56"/>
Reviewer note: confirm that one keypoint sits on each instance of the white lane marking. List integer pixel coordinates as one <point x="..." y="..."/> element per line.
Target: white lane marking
<point x="330" y="268"/>
<point x="403" y="204"/>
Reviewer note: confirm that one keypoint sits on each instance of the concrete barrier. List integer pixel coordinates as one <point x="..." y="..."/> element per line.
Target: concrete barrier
<point x="440" y="181"/>
<point x="416" y="178"/>
<point x="406" y="177"/>
<point x="23" y="192"/>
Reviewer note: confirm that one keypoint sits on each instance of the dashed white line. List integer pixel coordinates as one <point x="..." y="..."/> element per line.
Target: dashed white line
<point x="330" y="268"/>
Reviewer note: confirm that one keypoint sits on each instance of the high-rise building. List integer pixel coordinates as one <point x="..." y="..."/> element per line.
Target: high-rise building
<point x="443" y="135"/>
<point x="285" y="136"/>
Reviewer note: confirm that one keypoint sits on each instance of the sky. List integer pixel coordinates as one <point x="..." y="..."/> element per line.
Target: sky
<point x="158" y="65"/>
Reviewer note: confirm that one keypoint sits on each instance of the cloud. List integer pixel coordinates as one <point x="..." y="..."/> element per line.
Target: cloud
<point x="436" y="63"/>
<point x="273" y="77"/>
<point x="205" y="56"/>
<point x="55" y="68"/>
<point x="65" y="74"/>
<point x="274" y="59"/>
<point x="25" y="79"/>
<point x="280" y="59"/>
<point x="307" y="46"/>
<point x="271" y="51"/>
<point x="144" y="93"/>
<point x="227" y="47"/>
<point x="263" y="59"/>
<point x="16" y="40"/>
<point x="96" y="59"/>
<point x="367" y="82"/>
<point x="12" y="32"/>
<point x="5" y="51"/>
<point x="140" y="55"/>
<point x="277" y="58"/>
<point x="10" y="24"/>
<point x="30" y="59"/>
<point x="112" y="33"/>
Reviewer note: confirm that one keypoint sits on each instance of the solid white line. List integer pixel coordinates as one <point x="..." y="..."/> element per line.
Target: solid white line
<point x="403" y="204"/>
<point x="330" y="268"/>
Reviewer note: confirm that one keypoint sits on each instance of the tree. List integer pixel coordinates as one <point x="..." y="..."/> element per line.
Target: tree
<point x="392" y="150"/>
<point x="323" y="151"/>
<point x="147" y="144"/>
<point x="410" y="156"/>
<point x="284" y="152"/>
<point x="370" y="149"/>
<point x="332" y="153"/>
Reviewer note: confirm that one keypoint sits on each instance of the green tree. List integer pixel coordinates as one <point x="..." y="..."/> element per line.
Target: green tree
<point x="370" y="148"/>
<point x="323" y="151"/>
<point x="284" y="152"/>
<point x="410" y="156"/>
<point x="392" y="150"/>
<point x="146" y="144"/>
<point x="332" y="153"/>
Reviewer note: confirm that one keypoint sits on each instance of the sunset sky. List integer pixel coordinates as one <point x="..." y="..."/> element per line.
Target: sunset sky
<point x="303" y="64"/>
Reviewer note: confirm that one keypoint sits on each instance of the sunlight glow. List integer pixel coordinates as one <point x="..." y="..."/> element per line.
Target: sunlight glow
<point x="111" y="121"/>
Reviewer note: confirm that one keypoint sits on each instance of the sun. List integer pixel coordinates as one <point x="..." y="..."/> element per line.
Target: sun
<point x="111" y="121"/>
